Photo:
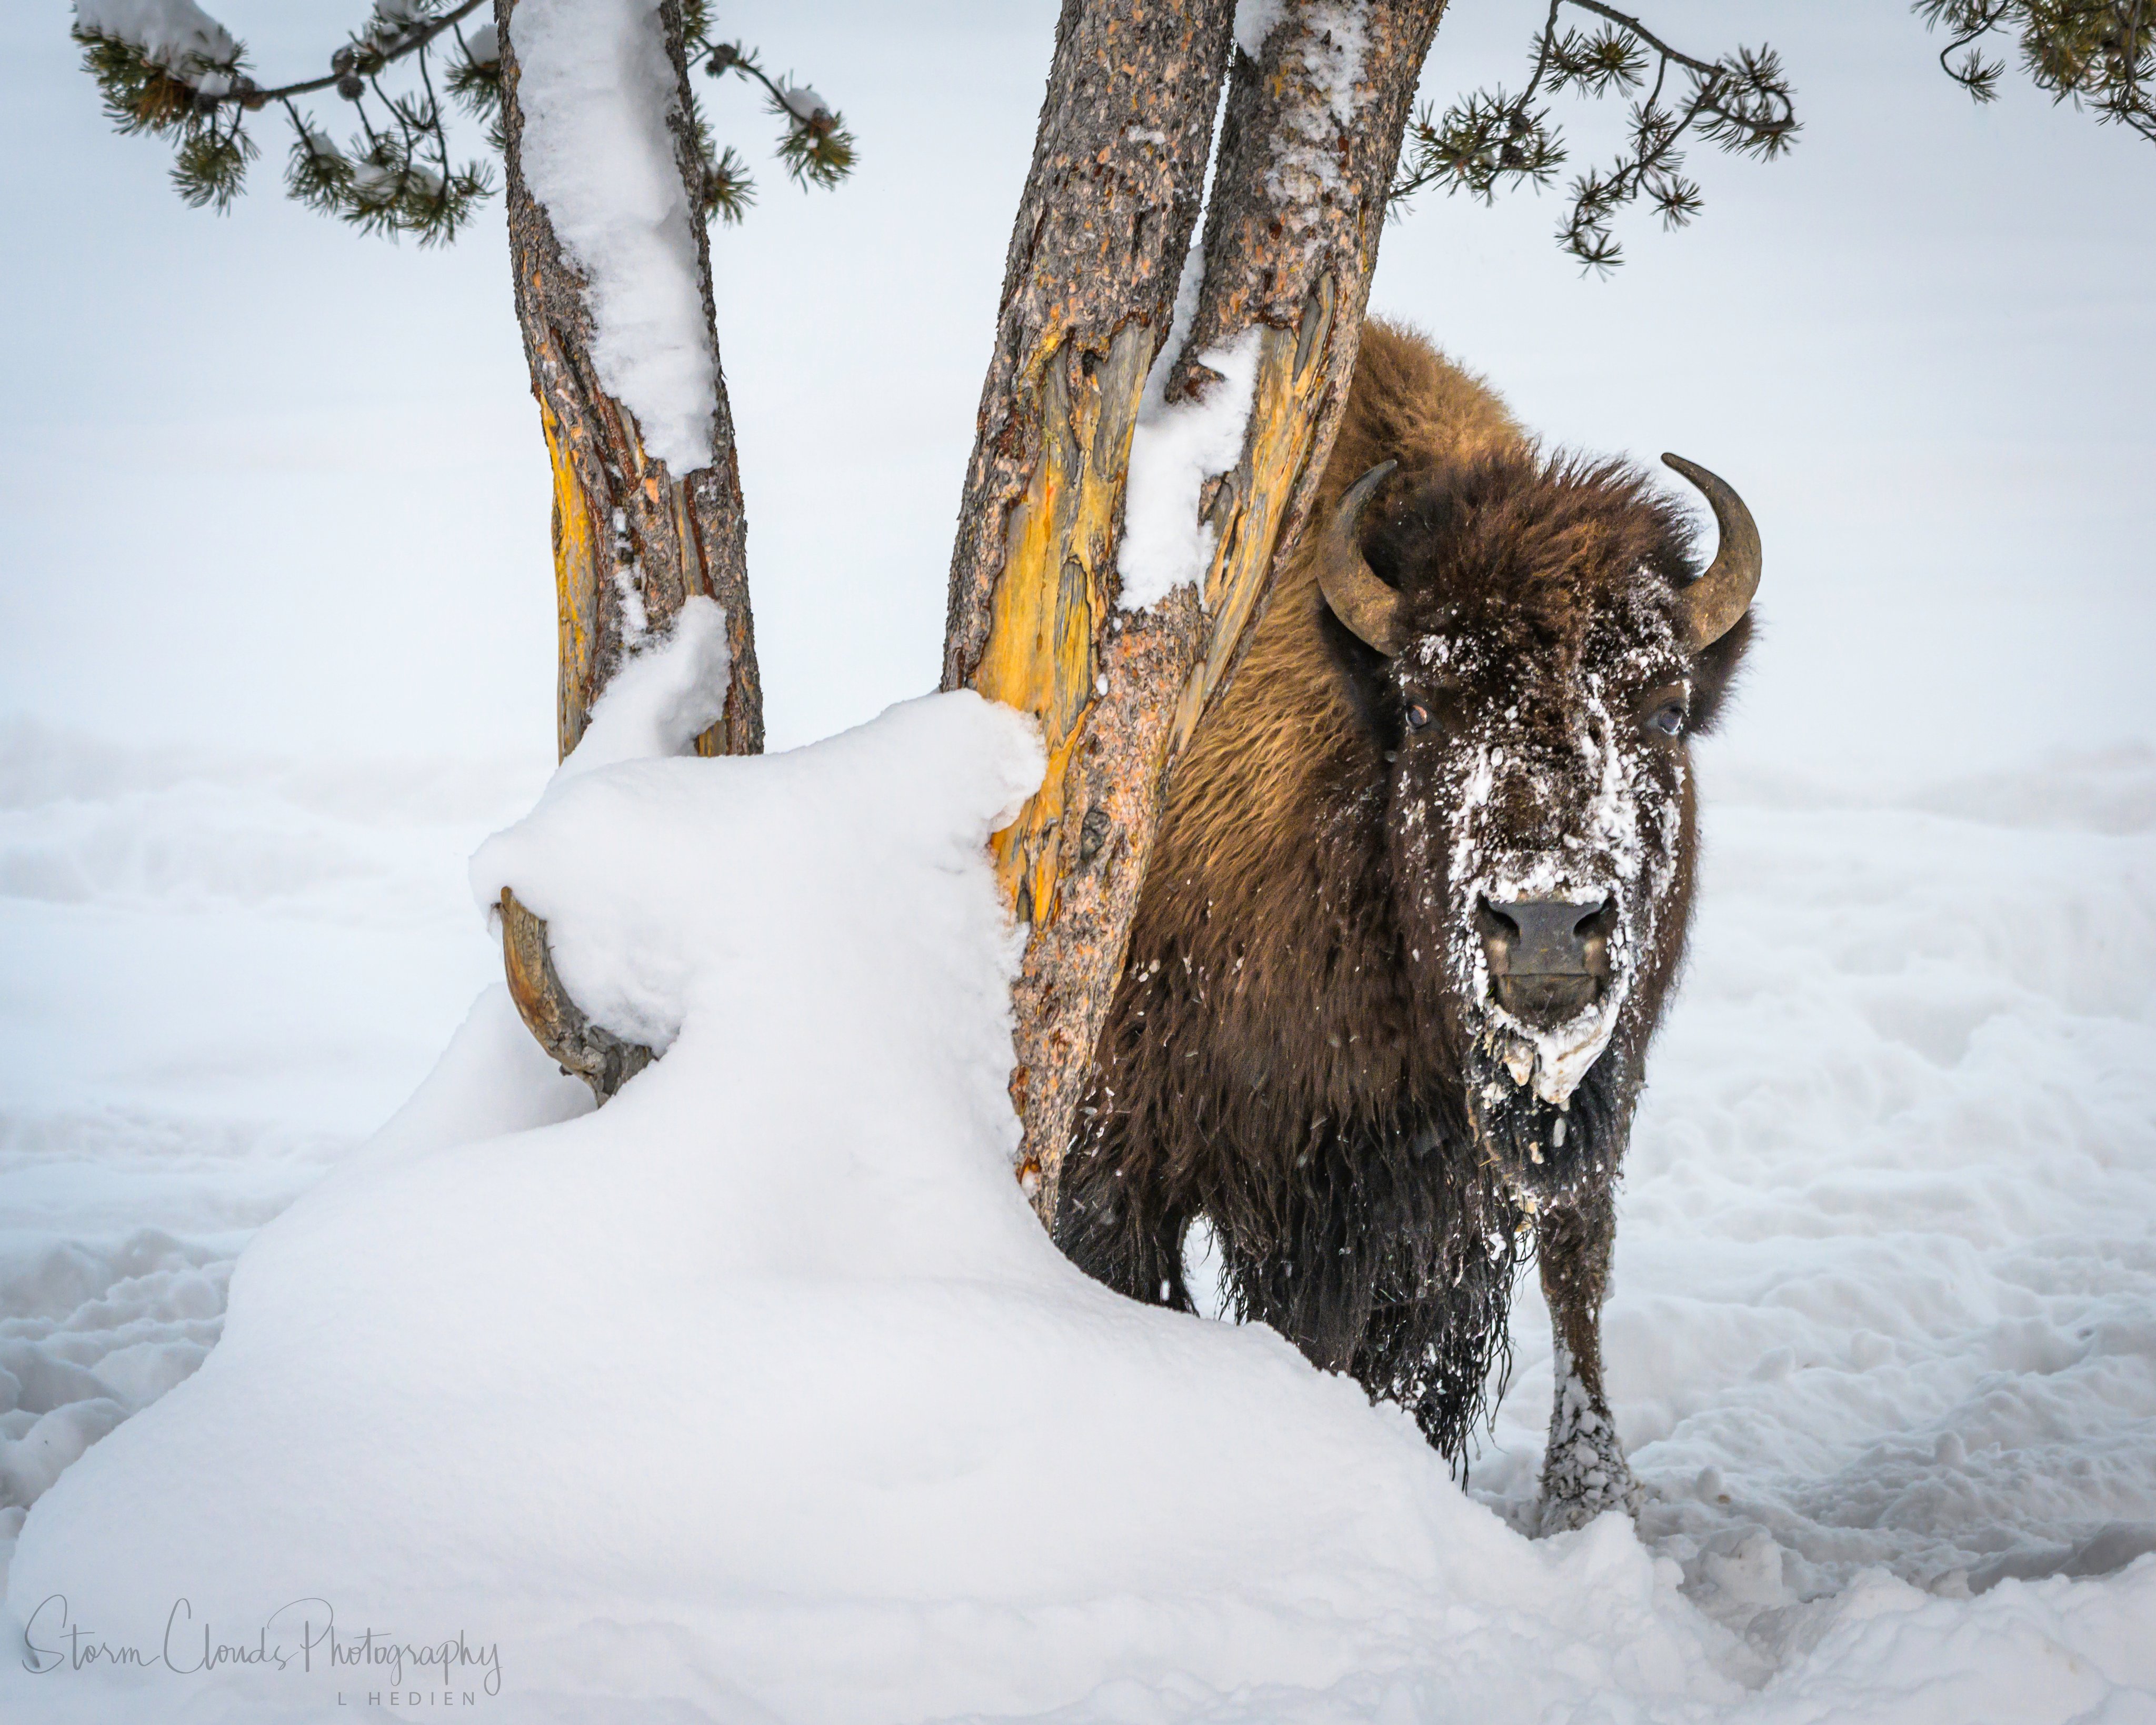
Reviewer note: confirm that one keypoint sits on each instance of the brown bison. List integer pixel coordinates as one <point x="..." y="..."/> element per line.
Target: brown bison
<point x="1417" y="905"/>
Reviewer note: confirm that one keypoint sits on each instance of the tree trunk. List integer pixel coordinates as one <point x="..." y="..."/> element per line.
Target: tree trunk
<point x="632" y="541"/>
<point x="1308" y="148"/>
<point x="1312" y="133"/>
<point x="1089" y="288"/>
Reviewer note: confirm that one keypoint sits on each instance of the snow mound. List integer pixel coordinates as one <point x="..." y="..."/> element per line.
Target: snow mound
<point x="663" y="695"/>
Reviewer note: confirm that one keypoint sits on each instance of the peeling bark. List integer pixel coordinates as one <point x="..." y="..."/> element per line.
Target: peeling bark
<point x="1299" y="198"/>
<point x="1089" y="288"/>
<point x="632" y="541"/>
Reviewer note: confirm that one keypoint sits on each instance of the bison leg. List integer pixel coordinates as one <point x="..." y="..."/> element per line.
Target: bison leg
<point x="1118" y="1229"/>
<point x="1584" y="1471"/>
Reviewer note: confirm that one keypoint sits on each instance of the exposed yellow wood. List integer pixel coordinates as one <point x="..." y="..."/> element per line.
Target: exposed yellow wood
<point x="525" y="960"/>
<point x="576" y="586"/>
<point x="1285" y="404"/>
<point x="597" y="1055"/>
<point x="1050" y="605"/>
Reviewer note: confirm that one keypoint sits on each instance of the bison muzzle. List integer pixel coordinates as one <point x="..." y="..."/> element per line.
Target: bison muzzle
<point x="1418" y="902"/>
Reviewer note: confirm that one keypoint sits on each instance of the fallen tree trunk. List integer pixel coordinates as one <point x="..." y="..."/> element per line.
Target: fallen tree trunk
<point x="1313" y="132"/>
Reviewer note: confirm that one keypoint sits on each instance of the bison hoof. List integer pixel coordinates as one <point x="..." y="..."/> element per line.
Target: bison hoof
<point x="1584" y="1477"/>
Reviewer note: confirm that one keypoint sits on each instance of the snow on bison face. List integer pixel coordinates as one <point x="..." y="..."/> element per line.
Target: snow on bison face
<point x="1532" y="645"/>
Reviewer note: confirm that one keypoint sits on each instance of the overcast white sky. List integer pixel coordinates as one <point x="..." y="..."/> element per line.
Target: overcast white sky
<point x="268" y="480"/>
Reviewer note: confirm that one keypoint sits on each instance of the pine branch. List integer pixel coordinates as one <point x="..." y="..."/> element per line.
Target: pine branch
<point x="2099" y="54"/>
<point x="815" y="145"/>
<point x="395" y="176"/>
<point x="1488" y="141"/>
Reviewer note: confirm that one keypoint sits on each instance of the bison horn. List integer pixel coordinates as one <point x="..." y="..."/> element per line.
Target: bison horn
<point x="1358" y="599"/>
<point x="1710" y="608"/>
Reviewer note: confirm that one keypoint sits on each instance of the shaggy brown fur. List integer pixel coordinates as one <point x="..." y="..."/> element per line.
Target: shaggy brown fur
<point x="1298" y="1052"/>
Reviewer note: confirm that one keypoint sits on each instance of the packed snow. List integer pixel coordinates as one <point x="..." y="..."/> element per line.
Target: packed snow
<point x="1175" y="449"/>
<point x="1176" y="446"/>
<point x="760" y="1394"/>
<point x="597" y="88"/>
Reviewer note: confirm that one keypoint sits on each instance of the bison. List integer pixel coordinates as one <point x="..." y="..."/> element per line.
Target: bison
<point x="1417" y="904"/>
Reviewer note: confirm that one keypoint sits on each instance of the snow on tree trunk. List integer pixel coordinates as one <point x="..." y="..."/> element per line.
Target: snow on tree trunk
<point x="1117" y="636"/>
<point x="1317" y="103"/>
<point x="614" y="292"/>
<point x="612" y="266"/>
<point x="1089" y="292"/>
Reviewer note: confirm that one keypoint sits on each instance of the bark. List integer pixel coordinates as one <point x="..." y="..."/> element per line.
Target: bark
<point x="1308" y="147"/>
<point x="632" y="541"/>
<point x="628" y="535"/>
<point x="1089" y="288"/>
<point x="1290" y="243"/>
<point x="602" y="1060"/>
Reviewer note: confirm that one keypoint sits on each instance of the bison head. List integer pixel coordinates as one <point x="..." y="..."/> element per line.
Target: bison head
<point x="1533" y="647"/>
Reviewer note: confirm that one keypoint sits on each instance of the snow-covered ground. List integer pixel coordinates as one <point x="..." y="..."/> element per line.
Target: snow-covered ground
<point x="1883" y="1341"/>
<point x="219" y="971"/>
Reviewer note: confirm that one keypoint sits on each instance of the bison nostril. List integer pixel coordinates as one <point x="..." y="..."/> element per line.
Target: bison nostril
<point x="1545" y="937"/>
<point x="1494" y="924"/>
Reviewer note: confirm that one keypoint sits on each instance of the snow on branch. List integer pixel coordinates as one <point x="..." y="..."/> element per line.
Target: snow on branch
<point x="166" y="68"/>
<point x="816" y="147"/>
<point x="177" y="35"/>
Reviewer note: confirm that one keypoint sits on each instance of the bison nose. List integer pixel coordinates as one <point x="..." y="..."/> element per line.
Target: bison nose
<point x="1548" y="957"/>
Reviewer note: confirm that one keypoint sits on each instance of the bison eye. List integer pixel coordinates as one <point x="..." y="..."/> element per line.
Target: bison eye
<point x="1662" y="712"/>
<point x="1418" y="716"/>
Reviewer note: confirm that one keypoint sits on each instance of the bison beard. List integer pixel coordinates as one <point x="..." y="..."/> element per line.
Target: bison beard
<point x="1306" y="1050"/>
